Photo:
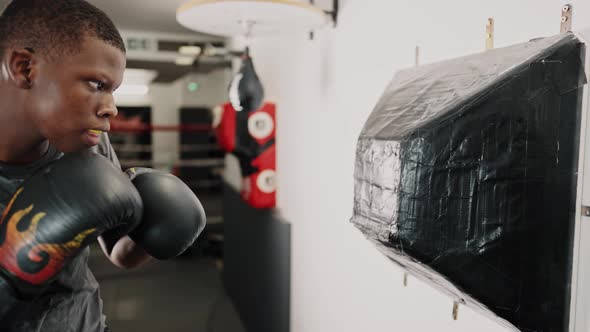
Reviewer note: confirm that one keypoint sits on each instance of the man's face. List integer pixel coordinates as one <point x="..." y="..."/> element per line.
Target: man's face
<point x="71" y="100"/>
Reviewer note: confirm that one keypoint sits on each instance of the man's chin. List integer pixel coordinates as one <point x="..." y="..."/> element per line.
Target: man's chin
<point x="78" y="144"/>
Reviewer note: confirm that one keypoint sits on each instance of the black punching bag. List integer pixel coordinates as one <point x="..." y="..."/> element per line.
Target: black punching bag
<point x="245" y="90"/>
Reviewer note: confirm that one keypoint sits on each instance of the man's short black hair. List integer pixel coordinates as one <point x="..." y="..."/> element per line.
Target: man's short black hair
<point x="54" y="28"/>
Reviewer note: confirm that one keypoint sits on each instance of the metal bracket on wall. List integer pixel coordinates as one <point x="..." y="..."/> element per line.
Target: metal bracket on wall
<point x="566" y="18"/>
<point x="332" y="13"/>
<point x="585" y="211"/>
<point x="490" y="34"/>
<point x="455" y="310"/>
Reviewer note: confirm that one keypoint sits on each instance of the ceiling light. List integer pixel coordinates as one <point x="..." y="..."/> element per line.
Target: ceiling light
<point x="132" y="90"/>
<point x="136" y="82"/>
<point x="189" y="50"/>
<point x="138" y="76"/>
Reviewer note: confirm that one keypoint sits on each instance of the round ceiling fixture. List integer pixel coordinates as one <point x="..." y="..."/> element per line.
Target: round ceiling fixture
<point x="250" y="17"/>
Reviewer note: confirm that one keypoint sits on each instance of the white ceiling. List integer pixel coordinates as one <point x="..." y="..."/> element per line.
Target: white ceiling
<point x="152" y="15"/>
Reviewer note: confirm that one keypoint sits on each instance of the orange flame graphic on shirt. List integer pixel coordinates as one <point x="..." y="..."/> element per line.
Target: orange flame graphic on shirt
<point x="20" y="250"/>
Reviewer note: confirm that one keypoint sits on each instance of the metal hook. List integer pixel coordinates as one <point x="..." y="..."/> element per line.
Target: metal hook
<point x="248" y="26"/>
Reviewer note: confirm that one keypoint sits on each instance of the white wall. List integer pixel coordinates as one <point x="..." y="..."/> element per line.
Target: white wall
<point x="212" y="88"/>
<point x="325" y="89"/>
<point x="166" y="100"/>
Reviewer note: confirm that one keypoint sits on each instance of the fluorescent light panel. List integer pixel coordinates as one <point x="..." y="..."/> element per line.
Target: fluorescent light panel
<point x="136" y="82"/>
<point x="189" y="50"/>
<point x="132" y="90"/>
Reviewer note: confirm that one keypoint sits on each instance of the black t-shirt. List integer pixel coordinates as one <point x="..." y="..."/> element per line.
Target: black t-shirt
<point x="72" y="303"/>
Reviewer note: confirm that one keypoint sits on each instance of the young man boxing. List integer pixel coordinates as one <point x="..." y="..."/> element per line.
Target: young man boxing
<point x="61" y="186"/>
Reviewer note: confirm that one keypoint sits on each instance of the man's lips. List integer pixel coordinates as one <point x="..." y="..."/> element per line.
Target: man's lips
<point x="92" y="138"/>
<point x="95" y="132"/>
<point x="98" y="130"/>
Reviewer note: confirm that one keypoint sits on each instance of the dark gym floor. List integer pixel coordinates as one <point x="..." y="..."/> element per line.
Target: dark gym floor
<point x="180" y="295"/>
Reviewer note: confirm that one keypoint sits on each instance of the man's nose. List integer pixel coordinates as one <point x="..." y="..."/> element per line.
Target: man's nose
<point x="108" y="109"/>
<point x="107" y="112"/>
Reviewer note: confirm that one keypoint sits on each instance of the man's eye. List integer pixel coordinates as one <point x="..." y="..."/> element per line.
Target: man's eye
<point x="98" y="85"/>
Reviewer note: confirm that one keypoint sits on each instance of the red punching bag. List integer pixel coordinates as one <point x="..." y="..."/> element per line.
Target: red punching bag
<point x="247" y="130"/>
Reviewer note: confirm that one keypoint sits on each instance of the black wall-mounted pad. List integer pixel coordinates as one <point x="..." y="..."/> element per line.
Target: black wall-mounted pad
<point x="466" y="176"/>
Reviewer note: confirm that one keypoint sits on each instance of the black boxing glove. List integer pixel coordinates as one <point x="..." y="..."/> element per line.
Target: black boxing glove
<point x="173" y="216"/>
<point x="54" y="215"/>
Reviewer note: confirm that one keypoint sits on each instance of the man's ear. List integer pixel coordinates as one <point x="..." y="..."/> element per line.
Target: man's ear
<point x="21" y="66"/>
